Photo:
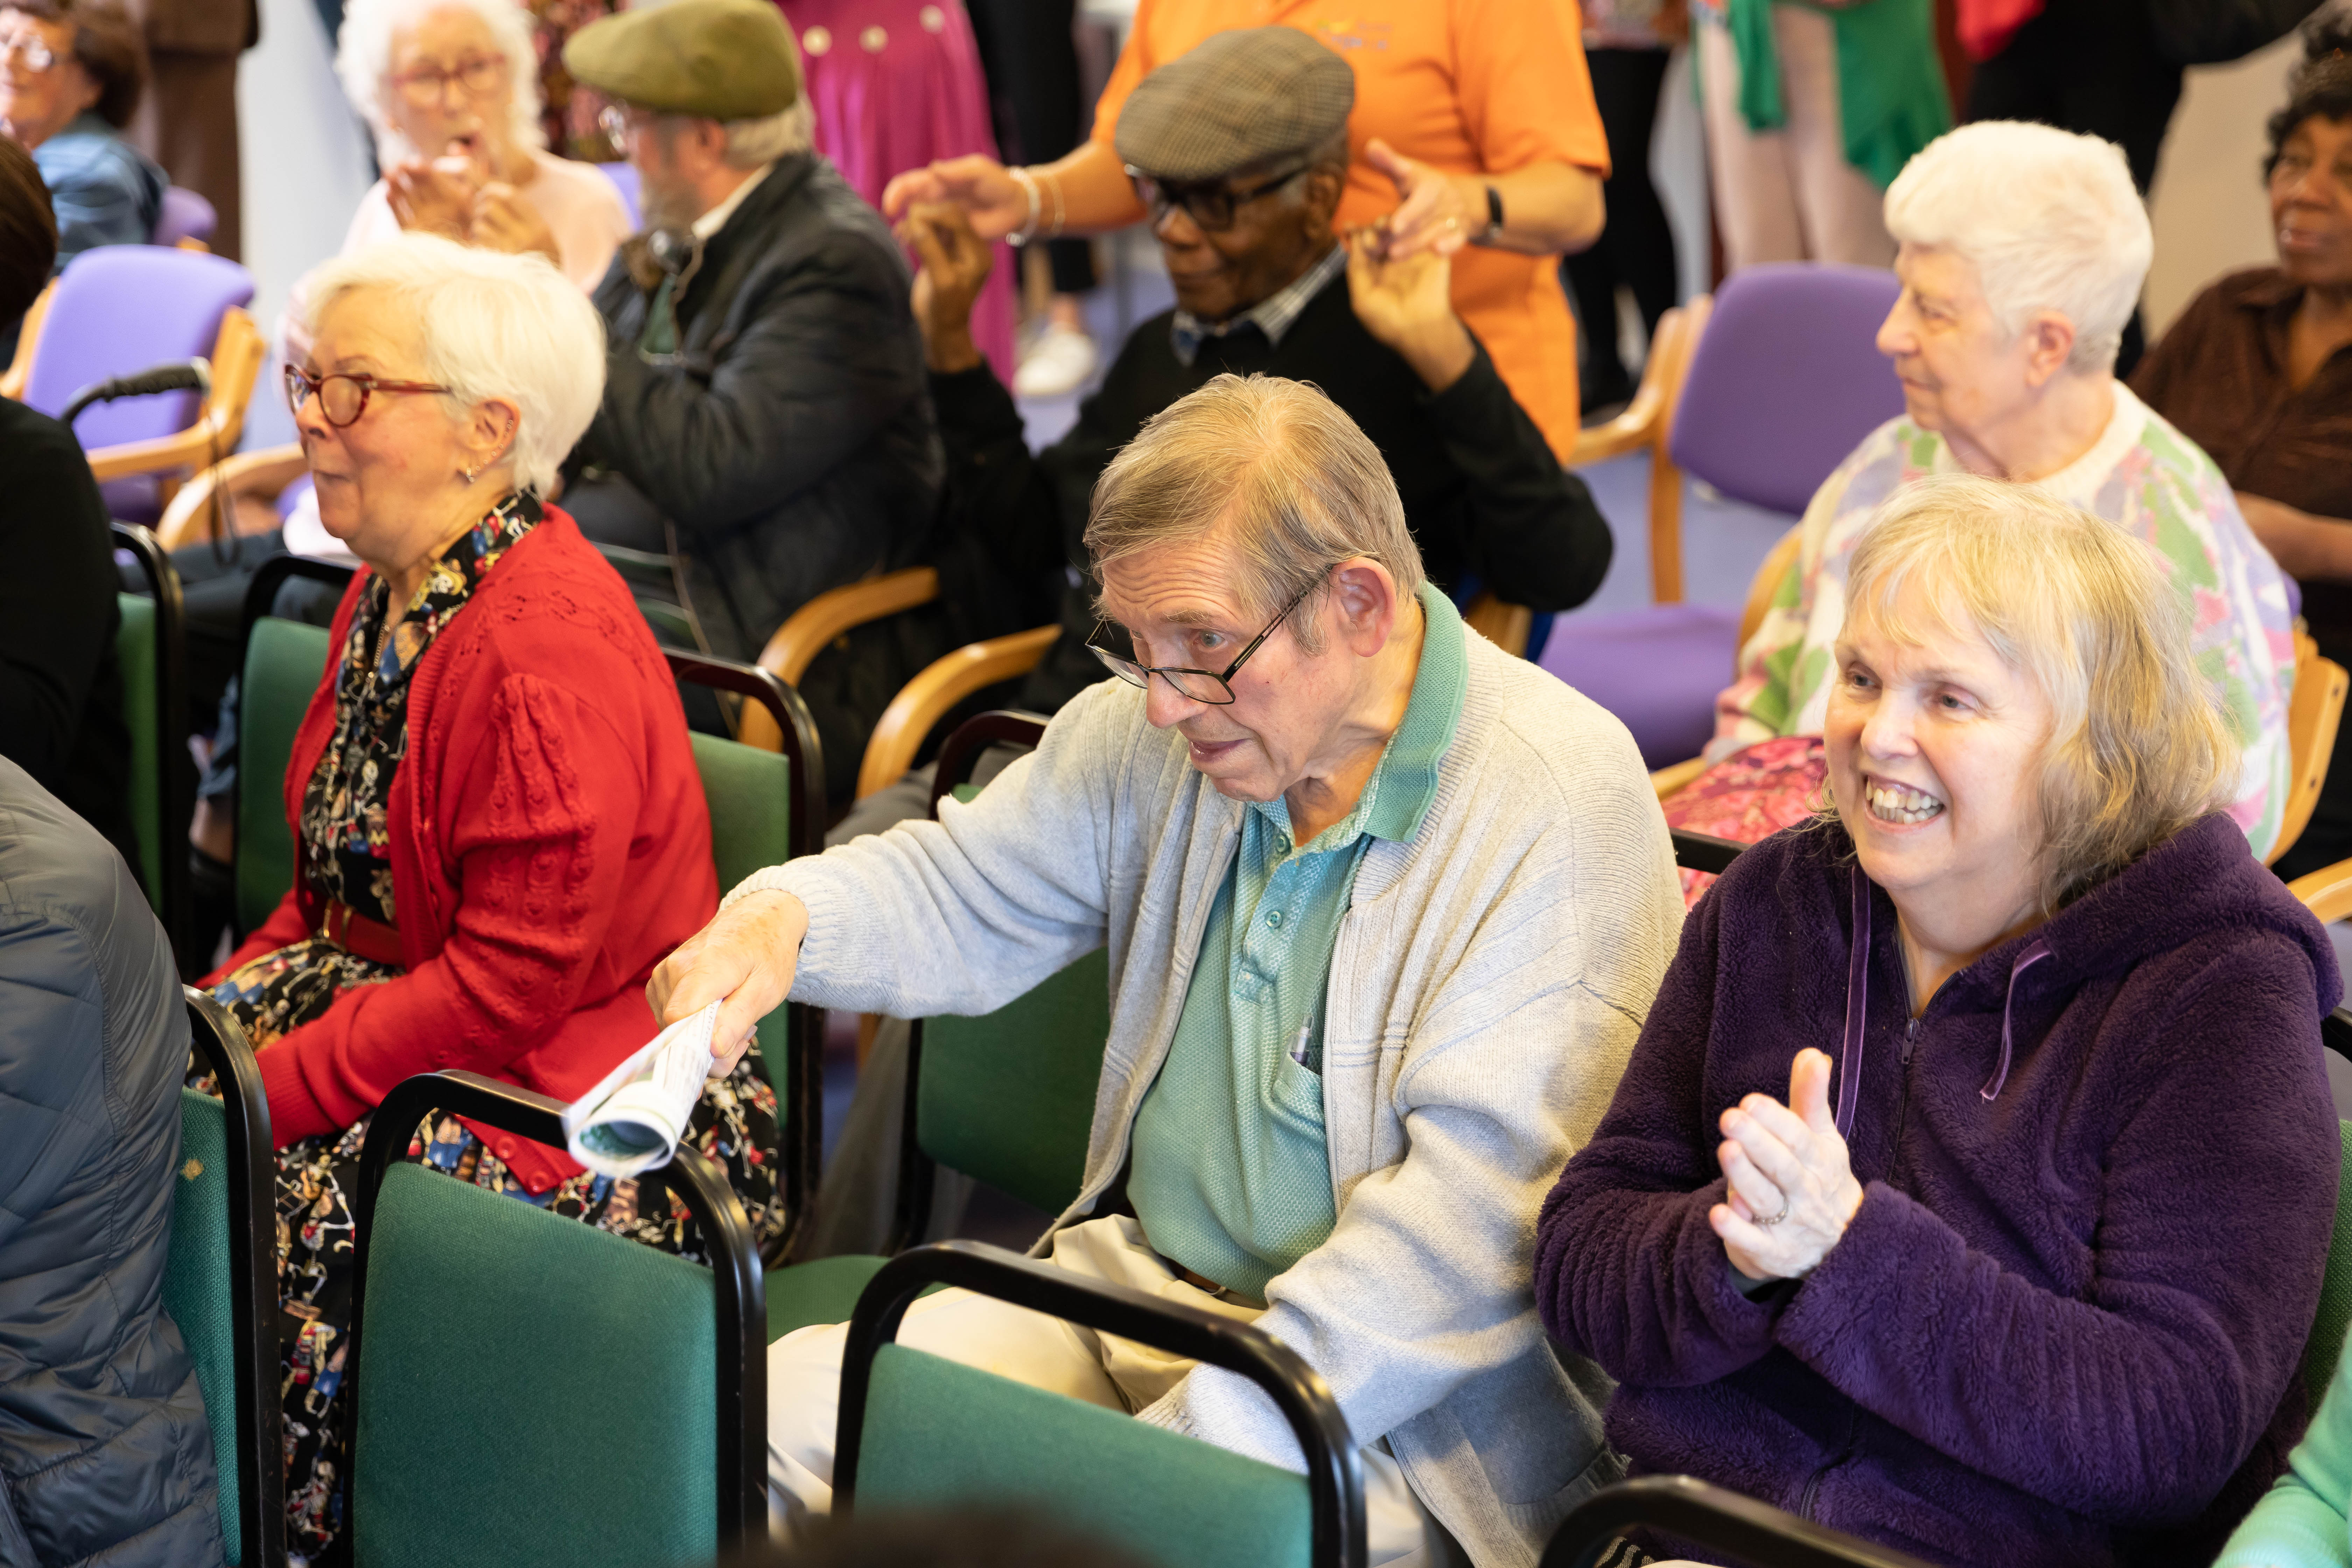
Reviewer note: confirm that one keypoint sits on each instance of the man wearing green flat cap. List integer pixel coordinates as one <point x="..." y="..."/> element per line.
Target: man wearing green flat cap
<point x="766" y="422"/>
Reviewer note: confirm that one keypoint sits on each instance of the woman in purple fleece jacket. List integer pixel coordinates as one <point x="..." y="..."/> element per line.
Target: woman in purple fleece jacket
<point x="2019" y="1272"/>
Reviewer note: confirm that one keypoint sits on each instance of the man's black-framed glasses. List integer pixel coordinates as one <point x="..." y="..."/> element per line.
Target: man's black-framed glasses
<point x="1211" y="203"/>
<point x="343" y="398"/>
<point x="1211" y="687"/>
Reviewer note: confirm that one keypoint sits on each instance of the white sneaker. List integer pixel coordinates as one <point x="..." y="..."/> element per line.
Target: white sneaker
<point x="1058" y="362"/>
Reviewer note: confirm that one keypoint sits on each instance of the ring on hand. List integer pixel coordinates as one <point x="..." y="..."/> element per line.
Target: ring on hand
<point x="1451" y="224"/>
<point x="1776" y="1219"/>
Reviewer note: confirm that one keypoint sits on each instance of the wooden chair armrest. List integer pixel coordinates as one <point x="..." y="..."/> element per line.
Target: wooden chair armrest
<point x="2327" y="892"/>
<point x="1642" y="421"/>
<point x="809" y="630"/>
<point x="1667" y="780"/>
<point x="2314" y="711"/>
<point x="28" y="338"/>
<point x="923" y="702"/>
<point x="237" y="358"/>
<point x="263" y="475"/>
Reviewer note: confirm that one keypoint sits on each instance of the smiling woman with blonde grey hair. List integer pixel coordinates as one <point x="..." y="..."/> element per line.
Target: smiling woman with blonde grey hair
<point x="2027" y="1267"/>
<point x="498" y="827"/>
<point x="2024" y="250"/>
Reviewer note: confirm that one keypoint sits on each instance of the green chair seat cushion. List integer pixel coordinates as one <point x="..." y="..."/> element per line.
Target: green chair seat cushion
<point x="935" y="1435"/>
<point x="134" y="652"/>
<point x="532" y="1386"/>
<point x="200" y="1288"/>
<point x="823" y="1292"/>
<point x="2326" y="1342"/>
<point x="284" y="663"/>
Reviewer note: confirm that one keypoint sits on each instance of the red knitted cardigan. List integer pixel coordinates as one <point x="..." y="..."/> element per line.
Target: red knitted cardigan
<point x="550" y="844"/>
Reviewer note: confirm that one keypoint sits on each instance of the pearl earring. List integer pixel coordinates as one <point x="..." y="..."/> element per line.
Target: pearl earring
<point x="470" y="474"/>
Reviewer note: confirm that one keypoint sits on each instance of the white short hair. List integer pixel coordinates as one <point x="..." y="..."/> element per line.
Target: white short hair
<point x="2049" y="219"/>
<point x="489" y="325"/>
<point x="363" y="62"/>
<point x="753" y="143"/>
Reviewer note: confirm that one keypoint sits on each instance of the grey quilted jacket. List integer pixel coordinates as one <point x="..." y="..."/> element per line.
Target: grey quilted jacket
<point x="105" y="1457"/>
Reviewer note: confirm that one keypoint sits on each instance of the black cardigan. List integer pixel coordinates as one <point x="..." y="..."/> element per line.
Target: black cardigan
<point x="1483" y="493"/>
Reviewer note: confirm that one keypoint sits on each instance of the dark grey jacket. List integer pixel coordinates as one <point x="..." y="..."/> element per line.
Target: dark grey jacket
<point x="792" y="449"/>
<point x="105" y="1456"/>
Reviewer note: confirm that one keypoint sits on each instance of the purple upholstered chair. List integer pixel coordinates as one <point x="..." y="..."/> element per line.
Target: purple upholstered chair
<point x="119" y="310"/>
<point x="185" y="216"/>
<point x="623" y="176"/>
<point x="1785" y="381"/>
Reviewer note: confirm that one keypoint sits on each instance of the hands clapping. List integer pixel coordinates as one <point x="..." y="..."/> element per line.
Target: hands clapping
<point x="1791" y="1193"/>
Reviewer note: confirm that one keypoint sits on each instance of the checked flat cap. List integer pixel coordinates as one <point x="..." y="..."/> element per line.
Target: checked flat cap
<point x="717" y="59"/>
<point x="1253" y="96"/>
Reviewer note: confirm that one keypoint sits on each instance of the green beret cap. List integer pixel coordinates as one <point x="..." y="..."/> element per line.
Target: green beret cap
<point x="715" y="59"/>
<point x="1249" y="96"/>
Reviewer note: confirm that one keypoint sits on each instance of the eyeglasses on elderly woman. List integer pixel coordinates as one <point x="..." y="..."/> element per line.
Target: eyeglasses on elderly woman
<point x="1214" y="688"/>
<point x="31" y="48"/>
<point x="477" y="76"/>
<point x="343" y="398"/>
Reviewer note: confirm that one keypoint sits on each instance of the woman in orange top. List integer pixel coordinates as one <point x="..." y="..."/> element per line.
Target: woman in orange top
<point x="1463" y="107"/>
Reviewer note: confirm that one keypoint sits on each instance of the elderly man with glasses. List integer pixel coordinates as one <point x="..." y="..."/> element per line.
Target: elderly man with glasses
<point x="765" y="426"/>
<point x="1239" y="152"/>
<point x="1385" y="906"/>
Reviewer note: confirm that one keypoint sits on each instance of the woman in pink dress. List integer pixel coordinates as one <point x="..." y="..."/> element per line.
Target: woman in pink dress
<point x="896" y="84"/>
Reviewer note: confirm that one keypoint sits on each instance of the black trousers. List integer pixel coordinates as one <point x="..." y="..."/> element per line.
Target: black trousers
<point x="1032" y="62"/>
<point x="2088" y="66"/>
<point x="1637" y="247"/>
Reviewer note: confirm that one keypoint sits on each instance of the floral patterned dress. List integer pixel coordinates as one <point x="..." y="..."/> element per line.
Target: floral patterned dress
<point x="345" y="852"/>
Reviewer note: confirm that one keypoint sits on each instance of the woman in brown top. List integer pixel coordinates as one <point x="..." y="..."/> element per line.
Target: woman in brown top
<point x="2255" y="370"/>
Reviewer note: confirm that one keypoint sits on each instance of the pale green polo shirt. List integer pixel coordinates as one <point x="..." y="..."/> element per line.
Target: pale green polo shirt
<point x="1232" y="1175"/>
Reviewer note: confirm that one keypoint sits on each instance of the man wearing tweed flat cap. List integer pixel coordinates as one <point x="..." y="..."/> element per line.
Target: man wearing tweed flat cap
<point x="765" y="434"/>
<point x="1239" y="150"/>
<point x="1473" y="134"/>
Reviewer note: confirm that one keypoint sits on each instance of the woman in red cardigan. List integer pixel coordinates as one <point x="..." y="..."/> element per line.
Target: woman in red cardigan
<point x="498" y="827"/>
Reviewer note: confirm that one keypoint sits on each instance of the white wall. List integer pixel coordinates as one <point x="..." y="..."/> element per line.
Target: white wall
<point x="2210" y="214"/>
<point x="306" y="167"/>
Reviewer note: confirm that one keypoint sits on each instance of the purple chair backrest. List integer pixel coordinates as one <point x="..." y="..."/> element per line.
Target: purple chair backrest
<point x="624" y="175"/>
<point x="121" y="309"/>
<point x="185" y="216"/>
<point x="1786" y="380"/>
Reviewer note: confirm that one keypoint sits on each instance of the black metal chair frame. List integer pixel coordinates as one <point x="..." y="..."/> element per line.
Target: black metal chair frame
<point x="801" y="1136"/>
<point x="739" y="1289"/>
<point x="273" y="574"/>
<point x="2336" y="1032"/>
<point x="1704" y="851"/>
<point x="1335" y="1477"/>
<point x="175" y="790"/>
<point x="253" y="1264"/>
<point x="1754" y="1534"/>
<point x="958" y="755"/>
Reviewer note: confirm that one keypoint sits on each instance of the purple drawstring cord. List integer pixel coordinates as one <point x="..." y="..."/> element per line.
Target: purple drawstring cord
<point x="2034" y="954"/>
<point x="1857" y="1007"/>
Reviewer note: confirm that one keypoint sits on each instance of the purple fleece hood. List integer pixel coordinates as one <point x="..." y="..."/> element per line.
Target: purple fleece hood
<point x="2099" y="1176"/>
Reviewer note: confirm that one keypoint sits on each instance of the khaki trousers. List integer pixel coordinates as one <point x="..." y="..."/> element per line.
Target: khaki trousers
<point x="1788" y="195"/>
<point x="804" y="1382"/>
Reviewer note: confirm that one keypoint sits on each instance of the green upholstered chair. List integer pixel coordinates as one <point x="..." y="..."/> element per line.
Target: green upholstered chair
<point x="282" y="665"/>
<point x="1007" y="1097"/>
<point x="546" y="1393"/>
<point x="1743" y="1529"/>
<point x="765" y="809"/>
<point x="917" y="1430"/>
<point x="220" y="1281"/>
<point x="151" y="648"/>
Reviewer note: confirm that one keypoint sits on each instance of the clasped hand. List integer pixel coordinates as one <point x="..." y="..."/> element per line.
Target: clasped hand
<point x="444" y="198"/>
<point x="1791" y="1194"/>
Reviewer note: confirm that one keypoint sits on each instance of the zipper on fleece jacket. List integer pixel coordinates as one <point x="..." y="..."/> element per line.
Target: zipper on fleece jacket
<point x="1843" y="1455"/>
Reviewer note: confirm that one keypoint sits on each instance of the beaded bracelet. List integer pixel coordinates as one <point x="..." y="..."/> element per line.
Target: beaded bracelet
<point x="1027" y="231"/>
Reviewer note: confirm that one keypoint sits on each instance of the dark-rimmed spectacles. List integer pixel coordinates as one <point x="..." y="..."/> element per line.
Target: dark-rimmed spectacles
<point x="343" y="398"/>
<point x="1211" y="687"/>
<point x="1211" y="204"/>
<point x="425" y="86"/>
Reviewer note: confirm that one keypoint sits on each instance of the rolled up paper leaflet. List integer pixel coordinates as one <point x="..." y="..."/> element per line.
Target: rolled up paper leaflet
<point x="632" y="1121"/>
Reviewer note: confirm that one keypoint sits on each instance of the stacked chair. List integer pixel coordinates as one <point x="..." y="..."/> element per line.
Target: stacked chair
<point x="123" y="309"/>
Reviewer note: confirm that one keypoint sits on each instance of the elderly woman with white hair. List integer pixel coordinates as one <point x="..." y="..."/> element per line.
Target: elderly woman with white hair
<point x="497" y="823"/>
<point x="2023" y="1274"/>
<point x="450" y="87"/>
<point x="2023" y="252"/>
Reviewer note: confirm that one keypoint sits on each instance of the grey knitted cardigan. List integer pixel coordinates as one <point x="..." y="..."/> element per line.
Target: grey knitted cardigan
<point x="1487" y="984"/>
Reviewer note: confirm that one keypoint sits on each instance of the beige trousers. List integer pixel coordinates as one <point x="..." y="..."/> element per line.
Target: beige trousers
<point x="804" y="1382"/>
<point x="1788" y="195"/>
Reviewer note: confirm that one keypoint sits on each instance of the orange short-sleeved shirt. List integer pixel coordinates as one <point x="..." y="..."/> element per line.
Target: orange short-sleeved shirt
<point x="1466" y="86"/>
